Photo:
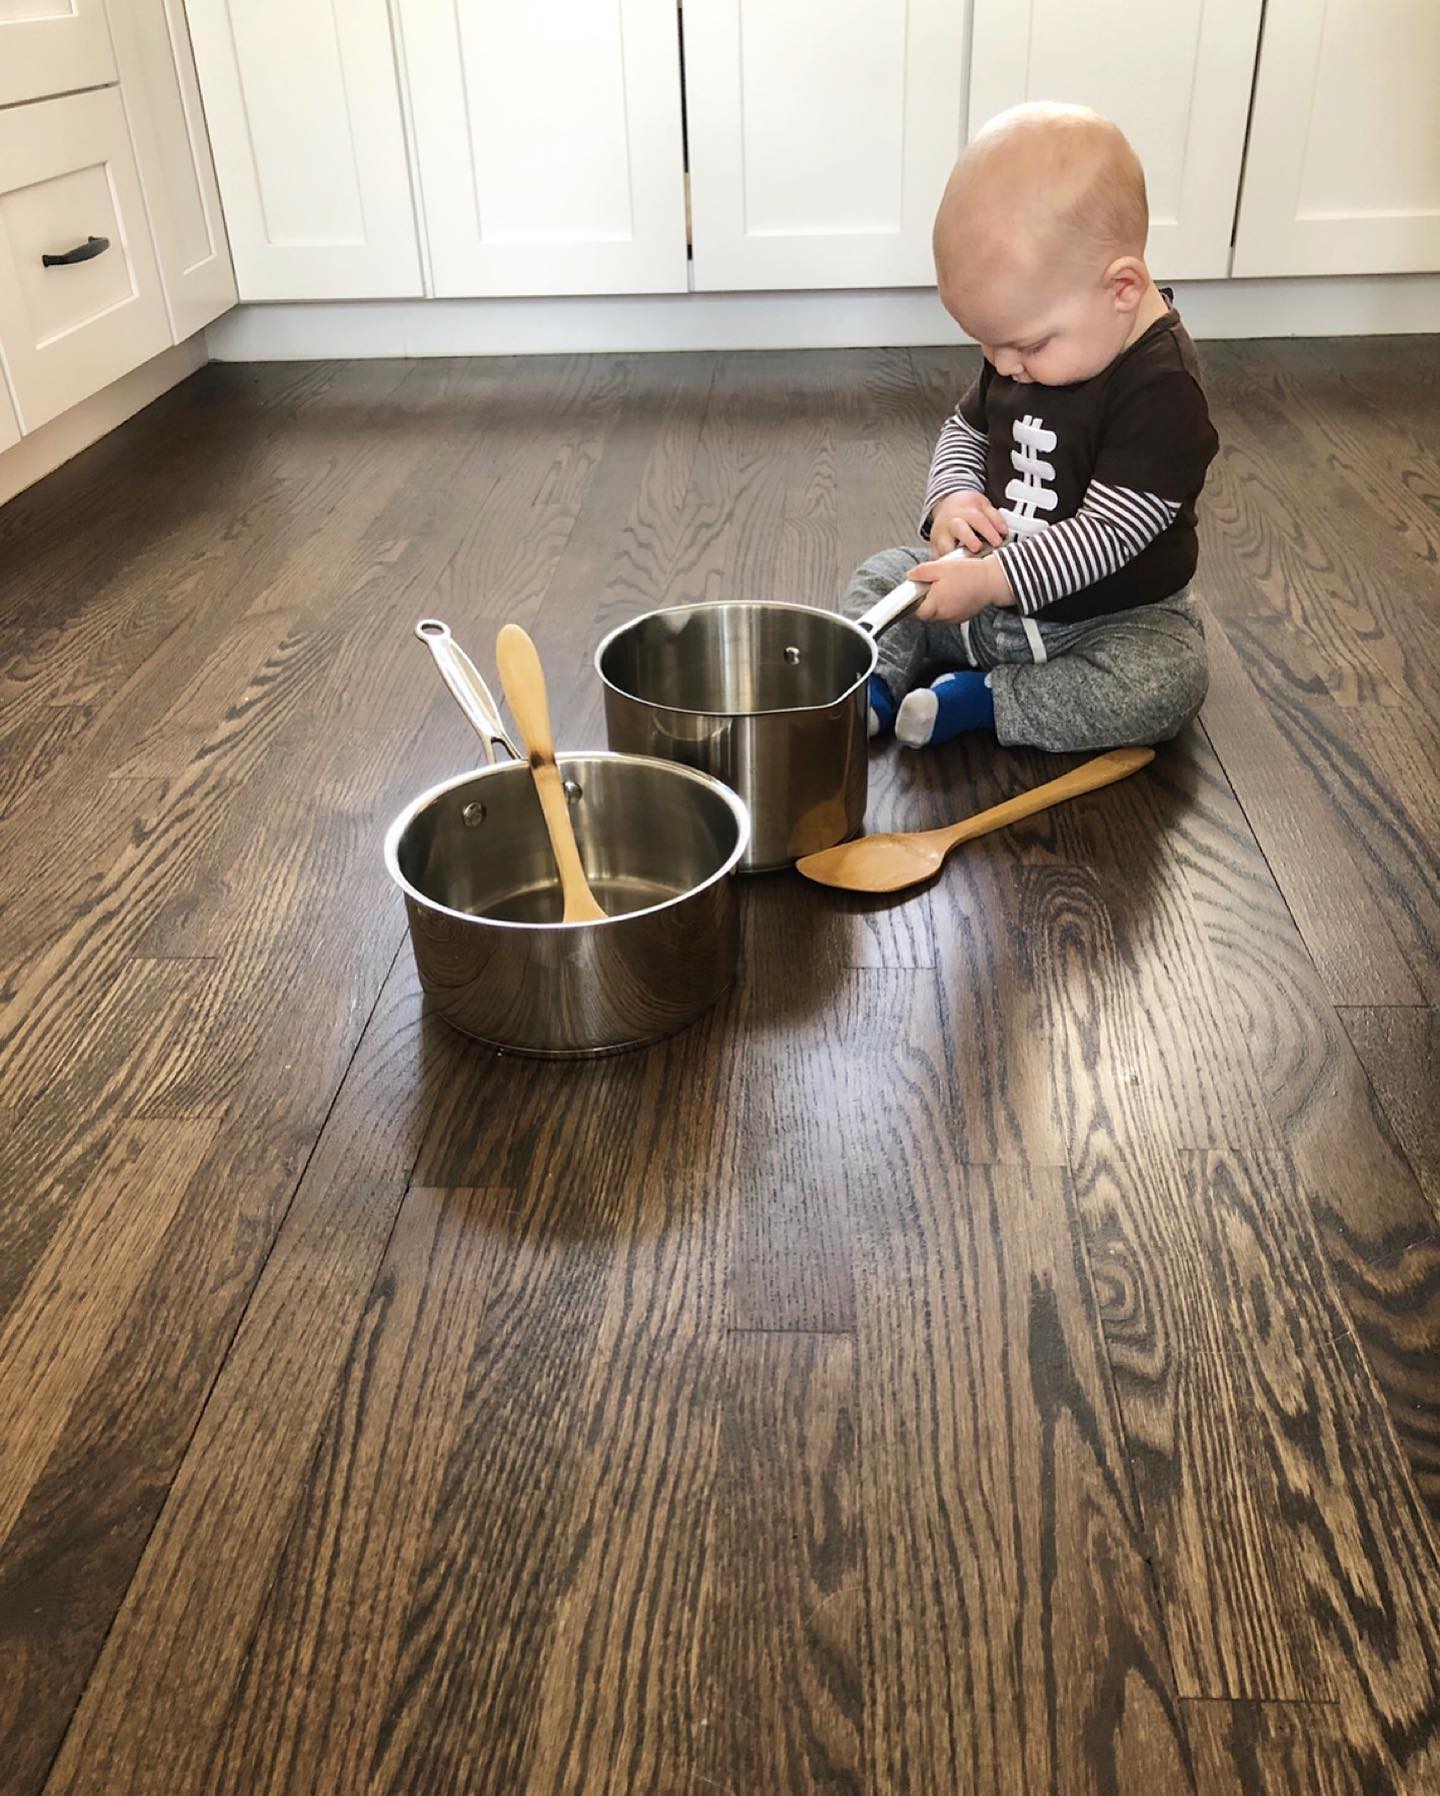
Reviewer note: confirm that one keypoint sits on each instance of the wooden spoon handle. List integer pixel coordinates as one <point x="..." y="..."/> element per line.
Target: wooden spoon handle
<point x="1104" y="770"/>
<point x="523" y="679"/>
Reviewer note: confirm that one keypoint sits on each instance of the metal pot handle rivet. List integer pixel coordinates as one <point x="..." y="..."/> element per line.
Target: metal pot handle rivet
<point x="473" y="814"/>
<point x="574" y="791"/>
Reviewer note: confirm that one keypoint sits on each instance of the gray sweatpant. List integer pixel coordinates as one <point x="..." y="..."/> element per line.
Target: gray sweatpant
<point x="1133" y="677"/>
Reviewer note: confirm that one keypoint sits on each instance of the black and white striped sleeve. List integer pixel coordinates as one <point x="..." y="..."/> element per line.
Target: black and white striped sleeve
<point x="1112" y="526"/>
<point x="957" y="466"/>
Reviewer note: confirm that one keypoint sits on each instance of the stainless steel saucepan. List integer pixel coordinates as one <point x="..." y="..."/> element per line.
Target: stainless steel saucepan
<point x="768" y="697"/>
<point x="659" y="843"/>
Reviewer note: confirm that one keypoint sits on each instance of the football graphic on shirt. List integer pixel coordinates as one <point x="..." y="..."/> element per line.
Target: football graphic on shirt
<point x="1034" y="490"/>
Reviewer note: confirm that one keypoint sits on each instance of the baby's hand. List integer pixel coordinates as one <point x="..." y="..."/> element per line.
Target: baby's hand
<point x="960" y="589"/>
<point x="966" y="521"/>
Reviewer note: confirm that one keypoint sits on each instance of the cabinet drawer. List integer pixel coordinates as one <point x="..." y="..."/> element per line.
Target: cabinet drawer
<point x="67" y="176"/>
<point x="52" y="47"/>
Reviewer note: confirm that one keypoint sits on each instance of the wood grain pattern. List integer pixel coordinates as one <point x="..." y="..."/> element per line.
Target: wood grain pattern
<point x="57" y="1333"/>
<point x="229" y="1507"/>
<point x="1348" y="938"/>
<point x="1364" y="1547"/>
<point x="1378" y="1236"/>
<point x="1012" y="1637"/>
<point x="995" y="1350"/>
<point x="1233" y="1617"/>
<point x="1272" y="1749"/>
<point x="782" y="1705"/>
<point x="1400" y="1050"/>
<point x="310" y="1704"/>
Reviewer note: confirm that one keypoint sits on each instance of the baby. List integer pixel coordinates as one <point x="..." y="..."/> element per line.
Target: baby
<point x="1077" y="457"/>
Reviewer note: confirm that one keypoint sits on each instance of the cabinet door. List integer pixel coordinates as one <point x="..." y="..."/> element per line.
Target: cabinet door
<point x="9" y="423"/>
<point x="167" y="127"/>
<point x="52" y="47"/>
<point x="80" y="300"/>
<point x="1175" y="78"/>
<point x="821" y="134"/>
<point x="1342" y="173"/>
<point x="303" y="105"/>
<point x="549" y="143"/>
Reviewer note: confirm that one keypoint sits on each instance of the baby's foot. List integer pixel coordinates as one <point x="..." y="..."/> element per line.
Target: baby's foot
<point x="956" y="702"/>
<point x="880" y="717"/>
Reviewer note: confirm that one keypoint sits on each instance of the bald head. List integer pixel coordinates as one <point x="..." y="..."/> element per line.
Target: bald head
<point x="1042" y="187"/>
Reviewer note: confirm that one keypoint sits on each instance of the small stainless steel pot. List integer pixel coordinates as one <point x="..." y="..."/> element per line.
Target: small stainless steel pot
<point x="768" y="697"/>
<point x="660" y="844"/>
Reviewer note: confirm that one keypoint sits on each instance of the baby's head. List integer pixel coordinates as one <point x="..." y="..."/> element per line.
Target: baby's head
<point x="1040" y="243"/>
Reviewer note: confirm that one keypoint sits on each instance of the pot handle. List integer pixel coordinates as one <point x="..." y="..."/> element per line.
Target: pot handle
<point x="894" y="605"/>
<point x="467" y="688"/>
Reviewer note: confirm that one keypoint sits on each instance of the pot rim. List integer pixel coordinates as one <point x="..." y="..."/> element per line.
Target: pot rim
<point x="739" y="810"/>
<point x="737" y="605"/>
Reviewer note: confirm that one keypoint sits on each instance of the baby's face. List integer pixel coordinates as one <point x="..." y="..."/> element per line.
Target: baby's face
<point x="1053" y="333"/>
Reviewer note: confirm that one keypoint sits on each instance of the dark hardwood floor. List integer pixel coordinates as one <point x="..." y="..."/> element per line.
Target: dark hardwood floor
<point x="997" y="1352"/>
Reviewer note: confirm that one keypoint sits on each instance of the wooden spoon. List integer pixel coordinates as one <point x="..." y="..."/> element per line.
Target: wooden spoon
<point x="523" y="679"/>
<point x="891" y="863"/>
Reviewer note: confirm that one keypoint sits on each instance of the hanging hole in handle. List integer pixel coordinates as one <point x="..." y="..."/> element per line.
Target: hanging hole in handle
<point x="430" y="629"/>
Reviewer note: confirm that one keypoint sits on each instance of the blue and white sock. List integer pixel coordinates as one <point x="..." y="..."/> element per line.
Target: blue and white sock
<point x="954" y="703"/>
<point x="881" y="717"/>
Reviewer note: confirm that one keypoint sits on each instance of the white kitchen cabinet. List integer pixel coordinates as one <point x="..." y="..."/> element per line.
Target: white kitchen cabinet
<point x="9" y="423"/>
<point x="1176" y="79"/>
<point x="302" y="100"/>
<point x="821" y="133"/>
<point x="80" y="300"/>
<point x="1342" y="172"/>
<point x="167" y="128"/>
<point x="549" y="145"/>
<point x="52" y="47"/>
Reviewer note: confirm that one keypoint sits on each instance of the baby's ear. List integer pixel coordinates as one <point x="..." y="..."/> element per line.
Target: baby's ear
<point x="1128" y="278"/>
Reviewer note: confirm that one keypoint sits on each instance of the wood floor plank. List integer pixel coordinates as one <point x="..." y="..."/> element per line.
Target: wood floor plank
<point x="227" y="529"/>
<point x="189" y="1614"/>
<point x="1400" y="1050"/>
<point x="1233" y="1617"/>
<point x="1274" y="1749"/>
<point x="223" y="419"/>
<point x="1379" y="773"/>
<point x="1366" y="1549"/>
<point x="782" y="1639"/>
<point x="310" y="1703"/>
<point x="630" y="538"/>
<point x="82" y="942"/>
<point x="56" y="1334"/>
<point x="1378" y="1235"/>
<point x="500" y="1553"/>
<point x="1381" y="453"/>
<point x="642" y="1686"/>
<point x="67" y="1564"/>
<point x="1352" y="944"/>
<point x="1012" y="1636"/>
<point x="620" y="1702"/>
<point x="167" y="748"/>
<point x="138" y="1032"/>
<point x="636" y="1204"/>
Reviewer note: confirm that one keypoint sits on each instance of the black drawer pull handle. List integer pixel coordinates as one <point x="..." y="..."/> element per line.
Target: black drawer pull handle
<point x="82" y="252"/>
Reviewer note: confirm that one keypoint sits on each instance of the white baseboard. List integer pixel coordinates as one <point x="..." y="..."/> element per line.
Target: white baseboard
<point x="1357" y="305"/>
<point x="40" y="453"/>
